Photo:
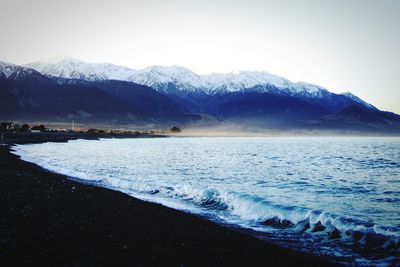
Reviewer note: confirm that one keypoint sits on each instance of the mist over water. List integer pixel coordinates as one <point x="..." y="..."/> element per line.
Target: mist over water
<point x="333" y="196"/>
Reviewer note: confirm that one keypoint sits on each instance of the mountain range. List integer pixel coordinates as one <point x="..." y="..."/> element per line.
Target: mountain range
<point x="179" y="80"/>
<point x="67" y="88"/>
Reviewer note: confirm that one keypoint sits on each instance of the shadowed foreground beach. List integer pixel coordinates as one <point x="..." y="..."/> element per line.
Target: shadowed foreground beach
<point x="48" y="220"/>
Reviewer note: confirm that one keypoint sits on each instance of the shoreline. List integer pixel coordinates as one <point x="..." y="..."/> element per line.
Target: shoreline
<point x="49" y="219"/>
<point x="32" y="138"/>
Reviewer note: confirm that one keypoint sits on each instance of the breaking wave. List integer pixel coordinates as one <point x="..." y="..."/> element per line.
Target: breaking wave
<point x="343" y="204"/>
<point x="253" y="210"/>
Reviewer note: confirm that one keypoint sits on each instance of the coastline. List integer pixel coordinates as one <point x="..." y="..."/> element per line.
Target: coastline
<point x="53" y="221"/>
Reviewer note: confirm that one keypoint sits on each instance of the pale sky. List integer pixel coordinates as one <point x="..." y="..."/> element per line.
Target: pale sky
<point x="342" y="45"/>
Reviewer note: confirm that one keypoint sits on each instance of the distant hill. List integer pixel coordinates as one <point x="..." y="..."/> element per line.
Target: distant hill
<point x="182" y="82"/>
<point x="25" y="94"/>
<point x="72" y="89"/>
<point x="360" y="117"/>
<point x="147" y="99"/>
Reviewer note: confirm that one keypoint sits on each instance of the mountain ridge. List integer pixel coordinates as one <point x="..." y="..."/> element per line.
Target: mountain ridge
<point x="26" y="93"/>
<point x="179" y="80"/>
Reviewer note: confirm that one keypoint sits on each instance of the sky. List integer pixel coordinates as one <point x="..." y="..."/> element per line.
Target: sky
<point x="342" y="45"/>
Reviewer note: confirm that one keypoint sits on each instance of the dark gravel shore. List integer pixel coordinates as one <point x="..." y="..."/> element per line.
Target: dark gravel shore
<point x="48" y="220"/>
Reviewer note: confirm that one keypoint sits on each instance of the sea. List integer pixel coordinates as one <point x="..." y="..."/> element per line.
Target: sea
<point x="334" y="197"/>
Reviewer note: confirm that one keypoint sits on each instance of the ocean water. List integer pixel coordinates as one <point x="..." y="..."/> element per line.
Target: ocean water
<point x="333" y="196"/>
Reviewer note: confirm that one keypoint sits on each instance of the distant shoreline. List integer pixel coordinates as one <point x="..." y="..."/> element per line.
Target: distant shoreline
<point x="42" y="137"/>
<point x="28" y="138"/>
<point x="50" y="220"/>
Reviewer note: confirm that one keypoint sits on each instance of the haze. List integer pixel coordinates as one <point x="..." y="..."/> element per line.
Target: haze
<point x="341" y="45"/>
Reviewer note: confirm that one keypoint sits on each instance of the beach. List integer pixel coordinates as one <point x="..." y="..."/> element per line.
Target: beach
<point x="50" y="220"/>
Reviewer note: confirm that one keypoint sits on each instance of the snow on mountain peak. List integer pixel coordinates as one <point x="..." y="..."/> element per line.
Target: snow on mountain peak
<point x="172" y="79"/>
<point x="252" y="78"/>
<point x="176" y="78"/>
<point x="186" y="80"/>
<point x="358" y="100"/>
<point x="308" y="89"/>
<point x="12" y="71"/>
<point x="72" y="68"/>
<point x="7" y="68"/>
<point x="159" y="76"/>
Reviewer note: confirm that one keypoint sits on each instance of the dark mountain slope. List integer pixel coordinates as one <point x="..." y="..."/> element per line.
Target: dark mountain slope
<point x="25" y="94"/>
<point x="359" y="116"/>
<point x="330" y="101"/>
<point x="144" y="97"/>
<point x="44" y="99"/>
<point x="263" y="105"/>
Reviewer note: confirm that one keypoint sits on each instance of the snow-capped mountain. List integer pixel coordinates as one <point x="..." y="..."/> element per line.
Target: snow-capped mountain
<point x="238" y="80"/>
<point x="26" y="94"/>
<point x="159" y="77"/>
<point x="177" y="95"/>
<point x="359" y="100"/>
<point x="181" y="81"/>
<point x="14" y="72"/>
<point x="71" y="68"/>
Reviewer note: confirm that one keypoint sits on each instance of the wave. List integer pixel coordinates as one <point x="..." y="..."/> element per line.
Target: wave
<point x="252" y="210"/>
<point x="300" y="224"/>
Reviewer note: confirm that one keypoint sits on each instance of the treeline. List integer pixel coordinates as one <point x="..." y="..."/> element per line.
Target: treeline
<point x="10" y="127"/>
